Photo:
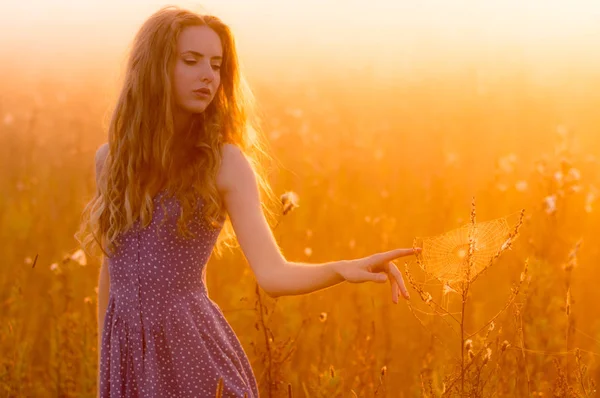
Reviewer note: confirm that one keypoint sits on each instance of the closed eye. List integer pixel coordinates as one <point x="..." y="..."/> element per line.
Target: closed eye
<point x="189" y="61"/>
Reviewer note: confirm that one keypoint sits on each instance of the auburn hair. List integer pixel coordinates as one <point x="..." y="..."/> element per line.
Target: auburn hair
<point x="146" y="156"/>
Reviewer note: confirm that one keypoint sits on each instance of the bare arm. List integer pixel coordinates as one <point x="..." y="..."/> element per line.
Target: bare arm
<point x="277" y="276"/>
<point x="103" y="294"/>
<point x="104" y="277"/>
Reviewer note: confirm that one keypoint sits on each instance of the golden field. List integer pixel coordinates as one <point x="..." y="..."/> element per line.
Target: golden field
<point x="376" y="161"/>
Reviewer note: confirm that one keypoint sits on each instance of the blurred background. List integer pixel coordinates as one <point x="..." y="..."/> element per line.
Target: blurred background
<point x="386" y="118"/>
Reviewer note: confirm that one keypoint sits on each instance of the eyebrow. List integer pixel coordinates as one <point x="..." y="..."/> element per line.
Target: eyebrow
<point x="196" y="53"/>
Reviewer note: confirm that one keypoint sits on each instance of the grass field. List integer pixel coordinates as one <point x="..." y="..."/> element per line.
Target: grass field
<point x="375" y="162"/>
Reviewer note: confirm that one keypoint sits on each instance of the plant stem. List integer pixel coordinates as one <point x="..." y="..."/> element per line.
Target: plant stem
<point x="267" y="343"/>
<point x="462" y="342"/>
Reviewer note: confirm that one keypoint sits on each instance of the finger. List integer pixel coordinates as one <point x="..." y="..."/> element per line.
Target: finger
<point x="395" y="287"/>
<point x="389" y="255"/>
<point x="398" y="278"/>
<point x="366" y="276"/>
<point x="374" y="277"/>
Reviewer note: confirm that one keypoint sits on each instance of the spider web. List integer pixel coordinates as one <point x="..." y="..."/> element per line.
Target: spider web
<point x="446" y="257"/>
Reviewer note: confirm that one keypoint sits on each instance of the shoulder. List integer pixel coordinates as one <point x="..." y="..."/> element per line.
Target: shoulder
<point x="235" y="168"/>
<point x="101" y="154"/>
<point x="231" y="151"/>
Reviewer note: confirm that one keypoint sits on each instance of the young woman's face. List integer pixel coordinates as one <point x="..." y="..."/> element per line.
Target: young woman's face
<point x="196" y="74"/>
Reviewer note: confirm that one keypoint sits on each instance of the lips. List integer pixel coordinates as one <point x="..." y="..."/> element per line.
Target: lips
<point x="202" y="91"/>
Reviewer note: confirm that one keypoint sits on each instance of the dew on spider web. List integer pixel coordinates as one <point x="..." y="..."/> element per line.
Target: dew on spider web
<point x="446" y="257"/>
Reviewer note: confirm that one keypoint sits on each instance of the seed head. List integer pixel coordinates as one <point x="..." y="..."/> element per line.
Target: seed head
<point x="289" y="201"/>
<point x="323" y="316"/>
<point x="79" y="257"/>
<point x="468" y="344"/>
<point x="487" y="356"/>
<point x="550" y="202"/>
<point x="448" y="289"/>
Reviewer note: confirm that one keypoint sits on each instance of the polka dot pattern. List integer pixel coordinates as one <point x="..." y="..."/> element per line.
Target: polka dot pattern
<point x="163" y="336"/>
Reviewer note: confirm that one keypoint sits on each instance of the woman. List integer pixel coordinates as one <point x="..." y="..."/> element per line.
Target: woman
<point x="182" y="155"/>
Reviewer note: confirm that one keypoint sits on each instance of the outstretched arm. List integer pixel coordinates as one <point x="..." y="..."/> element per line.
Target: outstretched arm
<point x="278" y="277"/>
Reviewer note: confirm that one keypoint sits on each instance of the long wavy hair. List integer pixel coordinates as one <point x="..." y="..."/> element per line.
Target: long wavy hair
<point x="145" y="155"/>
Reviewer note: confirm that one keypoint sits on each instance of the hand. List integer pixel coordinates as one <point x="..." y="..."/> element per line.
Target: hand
<point x="377" y="268"/>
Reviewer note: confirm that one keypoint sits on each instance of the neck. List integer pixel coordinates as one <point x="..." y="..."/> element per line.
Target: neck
<point x="181" y="121"/>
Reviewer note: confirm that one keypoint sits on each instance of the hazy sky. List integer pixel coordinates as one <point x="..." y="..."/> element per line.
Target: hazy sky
<point x="364" y="31"/>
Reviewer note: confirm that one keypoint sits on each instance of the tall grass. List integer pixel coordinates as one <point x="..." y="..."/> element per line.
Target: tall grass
<point x="375" y="163"/>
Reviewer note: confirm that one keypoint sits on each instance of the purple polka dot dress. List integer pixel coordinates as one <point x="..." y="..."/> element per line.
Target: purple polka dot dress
<point x="163" y="336"/>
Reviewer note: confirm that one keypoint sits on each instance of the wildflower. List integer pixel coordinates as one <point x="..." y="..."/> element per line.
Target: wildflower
<point x="505" y="345"/>
<point x="448" y="289"/>
<point x="589" y="199"/>
<point x="295" y="112"/>
<point x="274" y="135"/>
<point x="575" y="188"/>
<point x="383" y="370"/>
<point x="558" y="176"/>
<point x="54" y="267"/>
<point x="468" y="344"/>
<point x="323" y="317"/>
<point x="487" y="356"/>
<point x="492" y="326"/>
<point x="28" y="260"/>
<point x="550" y="202"/>
<point x="308" y="252"/>
<point x="289" y="201"/>
<point x="574" y="174"/>
<point x="79" y="257"/>
<point x="540" y="167"/>
<point x="572" y="259"/>
<point x="506" y="163"/>
<point x="521" y="186"/>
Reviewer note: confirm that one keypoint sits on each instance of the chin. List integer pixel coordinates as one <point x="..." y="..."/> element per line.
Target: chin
<point x="197" y="107"/>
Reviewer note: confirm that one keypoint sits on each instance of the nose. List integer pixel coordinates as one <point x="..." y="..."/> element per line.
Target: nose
<point x="207" y="74"/>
